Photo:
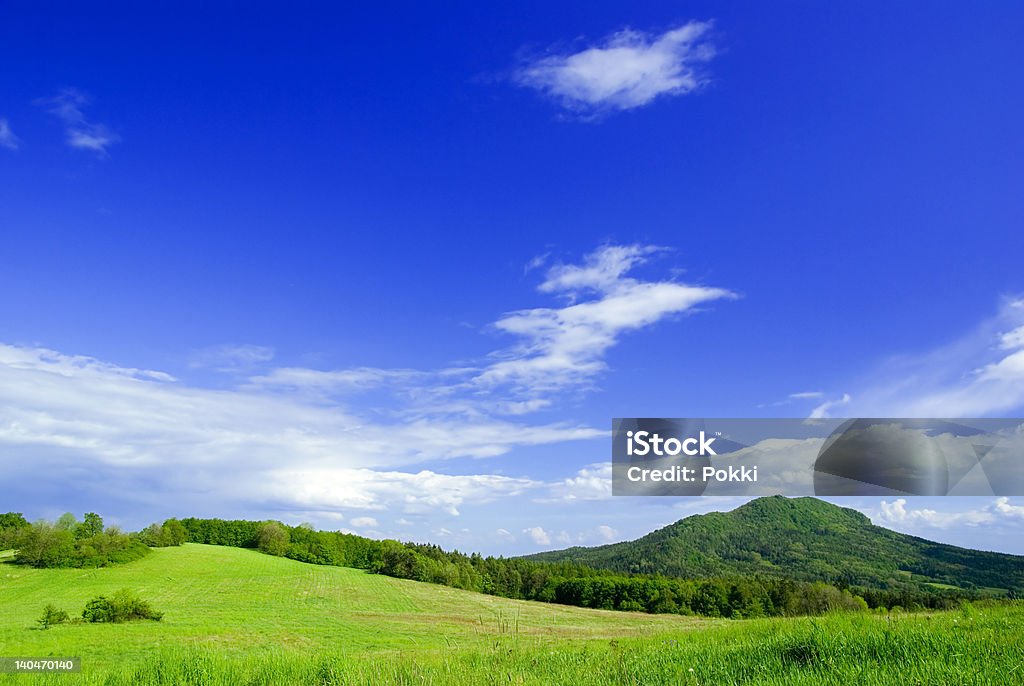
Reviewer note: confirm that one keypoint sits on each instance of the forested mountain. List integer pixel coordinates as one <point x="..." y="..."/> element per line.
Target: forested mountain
<point x="800" y="538"/>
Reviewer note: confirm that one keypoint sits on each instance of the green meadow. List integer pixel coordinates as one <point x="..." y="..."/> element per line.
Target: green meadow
<point x="236" y="616"/>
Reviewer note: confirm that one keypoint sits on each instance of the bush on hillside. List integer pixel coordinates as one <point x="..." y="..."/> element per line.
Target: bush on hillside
<point x="819" y="598"/>
<point x="123" y="606"/>
<point x="51" y="616"/>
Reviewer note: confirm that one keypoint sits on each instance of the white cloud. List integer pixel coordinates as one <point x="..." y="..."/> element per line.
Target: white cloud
<point x="536" y="262"/>
<point x="627" y="70"/>
<point x="600" y="272"/>
<point x="565" y="346"/>
<point x="1004" y="508"/>
<point x="797" y="397"/>
<point x="7" y="138"/>
<point x="359" y="378"/>
<point x="997" y="386"/>
<point x="367" y="489"/>
<point x="1012" y="340"/>
<point x="899" y="515"/>
<point x="538" y="535"/>
<point x="558" y="348"/>
<point x="96" y="137"/>
<point x="822" y="410"/>
<point x="232" y="357"/>
<point x="112" y="411"/>
<point x="593" y="482"/>
<point x="600" y="534"/>
<point x="363" y="522"/>
<point x="35" y="359"/>
<point x="152" y="435"/>
<point x="981" y="374"/>
<point x="302" y="517"/>
<point x="81" y="133"/>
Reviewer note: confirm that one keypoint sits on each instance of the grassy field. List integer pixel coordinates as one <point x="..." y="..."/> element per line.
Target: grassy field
<point x="236" y="616"/>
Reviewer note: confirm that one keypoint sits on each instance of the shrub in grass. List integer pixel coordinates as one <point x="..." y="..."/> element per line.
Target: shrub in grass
<point x="51" y="616"/>
<point x="123" y="606"/>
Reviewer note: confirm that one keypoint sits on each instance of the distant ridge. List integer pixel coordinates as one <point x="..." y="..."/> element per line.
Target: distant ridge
<point x="805" y="539"/>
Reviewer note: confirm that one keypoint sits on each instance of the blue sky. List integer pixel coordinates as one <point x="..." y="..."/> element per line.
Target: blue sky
<point x="394" y="269"/>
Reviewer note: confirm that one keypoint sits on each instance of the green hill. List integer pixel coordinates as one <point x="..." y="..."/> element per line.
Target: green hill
<point x="805" y="539"/>
<point x="238" y="601"/>
<point x="236" y="616"/>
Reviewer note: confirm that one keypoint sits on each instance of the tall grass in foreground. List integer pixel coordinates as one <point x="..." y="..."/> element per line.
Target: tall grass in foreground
<point x="971" y="646"/>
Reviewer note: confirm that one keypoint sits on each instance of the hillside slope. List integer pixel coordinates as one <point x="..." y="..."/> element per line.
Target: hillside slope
<point x="239" y="601"/>
<point x="800" y="538"/>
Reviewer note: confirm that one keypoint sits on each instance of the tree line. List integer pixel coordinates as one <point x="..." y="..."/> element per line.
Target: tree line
<point x="564" y="582"/>
<point x="69" y="543"/>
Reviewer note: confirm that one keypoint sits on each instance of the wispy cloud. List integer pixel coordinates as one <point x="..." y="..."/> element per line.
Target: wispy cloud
<point x="824" y="409"/>
<point x="231" y="357"/>
<point x="629" y="69"/>
<point x="980" y="374"/>
<point x="423" y="492"/>
<point x="1012" y="340"/>
<point x="337" y="381"/>
<point x="81" y="134"/>
<point x="7" y="138"/>
<point x="566" y="346"/>
<point x="536" y="262"/>
<point x="558" y="348"/>
<point x="148" y="436"/>
<point x="795" y="397"/>
<point x="124" y="416"/>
